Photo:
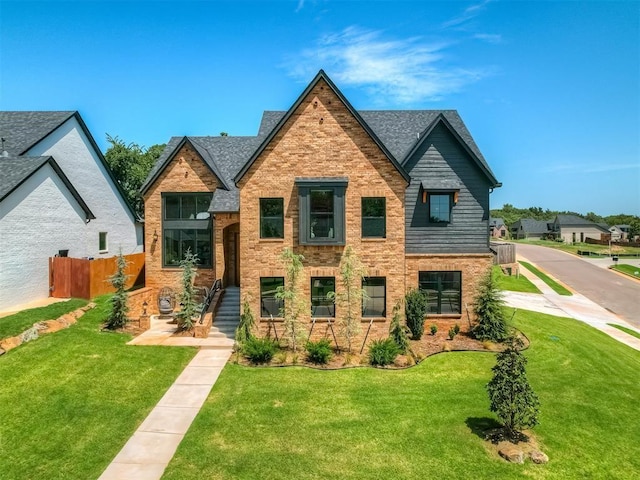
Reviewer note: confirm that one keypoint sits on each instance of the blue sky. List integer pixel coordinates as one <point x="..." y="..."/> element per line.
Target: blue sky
<point x="549" y="90"/>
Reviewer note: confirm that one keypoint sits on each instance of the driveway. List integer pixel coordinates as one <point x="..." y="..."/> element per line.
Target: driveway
<point x="618" y="294"/>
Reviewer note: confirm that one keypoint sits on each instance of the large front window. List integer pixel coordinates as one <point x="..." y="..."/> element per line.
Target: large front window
<point x="321" y="306"/>
<point x="373" y="217"/>
<point x="443" y="291"/>
<point x="186" y="225"/>
<point x="321" y="209"/>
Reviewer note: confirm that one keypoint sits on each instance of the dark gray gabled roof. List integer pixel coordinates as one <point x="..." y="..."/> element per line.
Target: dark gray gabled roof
<point x="224" y="156"/>
<point x="496" y="222"/>
<point x="15" y="170"/>
<point x="531" y="225"/>
<point x="567" y="220"/>
<point x="402" y="131"/>
<point x="274" y="130"/>
<point x="22" y="130"/>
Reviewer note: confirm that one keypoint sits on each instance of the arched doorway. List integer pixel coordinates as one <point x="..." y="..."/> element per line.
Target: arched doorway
<point x="231" y="243"/>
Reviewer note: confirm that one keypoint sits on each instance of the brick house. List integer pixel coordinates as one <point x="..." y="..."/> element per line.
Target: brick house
<point x="407" y="190"/>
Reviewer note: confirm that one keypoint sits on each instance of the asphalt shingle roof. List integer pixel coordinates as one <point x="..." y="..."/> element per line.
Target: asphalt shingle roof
<point x="22" y="130"/>
<point x="530" y="225"/>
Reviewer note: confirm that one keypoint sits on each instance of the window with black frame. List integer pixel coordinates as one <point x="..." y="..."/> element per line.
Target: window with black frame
<point x="443" y="291"/>
<point x="270" y="306"/>
<point x="374" y="217"/>
<point x="321" y="207"/>
<point x="186" y="225"/>
<point x="375" y="302"/>
<point x="271" y="218"/>
<point x="439" y="207"/>
<point x="321" y="306"/>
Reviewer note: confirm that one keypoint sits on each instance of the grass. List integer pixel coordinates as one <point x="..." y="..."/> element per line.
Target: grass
<point x="273" y="423"/>
<point x="633" y="333"/>
<point x="602" y="250"/>
<point x="555" y="286"/>
<point x="19" y="322"/>
<point x="70" y="400"/>
<point x="513" y="283"/>
<point x="630" y="270"/>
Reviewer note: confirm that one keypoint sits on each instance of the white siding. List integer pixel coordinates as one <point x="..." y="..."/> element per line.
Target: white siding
<point x="79" y="161"/>
<point x="36" y="220"/>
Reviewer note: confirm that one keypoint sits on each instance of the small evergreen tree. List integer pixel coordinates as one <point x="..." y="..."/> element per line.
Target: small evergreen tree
<point x="292" y="302"/>
<point x="352" y="296"/>
<point x="511" y="396"/>
<point x="187" y="296"/>
<point x="489" y="309"/>
<point x="244" y="332"/>
<point x="415" y="310"/>
<point x="119" y="301"/>
<point x="397" y="331"/>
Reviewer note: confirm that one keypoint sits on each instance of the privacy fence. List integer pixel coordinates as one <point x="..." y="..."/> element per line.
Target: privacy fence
<point x="83" y="278"/>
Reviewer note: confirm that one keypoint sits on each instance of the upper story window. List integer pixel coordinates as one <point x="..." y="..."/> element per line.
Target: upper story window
<point x="271" y="218"/>
<point x="186" y="224"/>
<point x="439" y="207"/>
<point x="321" y="207"/>
<point x="374" y="217"/>
<point x="103" y="246"/>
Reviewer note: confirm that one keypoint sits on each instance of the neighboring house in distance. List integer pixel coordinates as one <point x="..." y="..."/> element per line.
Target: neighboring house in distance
<point x="407" y="190"/>
<point x="573" y="229"/>
<point x="56" y="193"/>
<point x="620" y="233"/>
<point x="497" y="228"/>
<point x="528" y="228"/>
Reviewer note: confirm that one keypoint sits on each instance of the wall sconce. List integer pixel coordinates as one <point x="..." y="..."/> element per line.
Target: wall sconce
<point x="155" y="236"/>
<point x="144" y="307"/>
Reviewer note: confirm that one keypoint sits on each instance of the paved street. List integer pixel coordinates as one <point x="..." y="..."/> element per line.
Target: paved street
<point x="618" y="294"/>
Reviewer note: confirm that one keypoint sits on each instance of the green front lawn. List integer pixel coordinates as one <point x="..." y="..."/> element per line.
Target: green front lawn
<point x="602" y="250"/>
<point x="70" y="400"/>
<point x="555" y="286"/>
<point x="273" y="423"/>
<point x="16" y="324"/>
<point x="630" y="270"/>
<point x="513" y="283"/>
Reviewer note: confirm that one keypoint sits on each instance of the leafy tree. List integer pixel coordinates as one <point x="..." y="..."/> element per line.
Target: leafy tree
<point x="131" y="165"/>
<point x="511" y="396"/>
<point x="489" y="309"/>
<point x="397" y="332"/>
<point x="187" y="296"/>
<point x="351" y="297"/>
<point x="415" y="309"/>
<point x="293" y="303"/>
<point x="119" y="302"/>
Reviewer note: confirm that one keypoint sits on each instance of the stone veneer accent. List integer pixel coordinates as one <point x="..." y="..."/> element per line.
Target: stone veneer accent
<point x="187" y="173"/>
<point x="321" y="139"/>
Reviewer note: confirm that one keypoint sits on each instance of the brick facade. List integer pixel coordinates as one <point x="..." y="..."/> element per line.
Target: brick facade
<point x="321" y="139"/>
<point x="187" y="172"/>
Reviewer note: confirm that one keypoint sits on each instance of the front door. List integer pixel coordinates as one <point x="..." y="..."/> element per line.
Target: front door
<point x="231" y="237"/>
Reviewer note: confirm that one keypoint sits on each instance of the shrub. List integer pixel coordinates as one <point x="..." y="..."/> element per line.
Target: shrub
<point x="434" y="329"/>
<point x="456" y="328"/>
<point x="119" y="302"/>
<point x="383" y="352"/>
<point x="452" y="333"/>
<point x="489" y="310"/>
<point x="187" y="297"/>
<point x="259" y="350"/>
<point x="244" y="332"/>
<point x="397" y="331"/>
<point x="415" y="310"/>
<point x="319" y="352"/>
<point x="512" y="398"/>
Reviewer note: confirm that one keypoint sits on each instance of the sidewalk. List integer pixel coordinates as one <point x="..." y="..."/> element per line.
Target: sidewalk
<point x="148" y="452"/>
<point x="576" y="306"/>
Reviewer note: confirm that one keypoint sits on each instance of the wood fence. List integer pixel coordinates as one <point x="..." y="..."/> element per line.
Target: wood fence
<point x="503" y="253"/>
<point x="83" y="278"/>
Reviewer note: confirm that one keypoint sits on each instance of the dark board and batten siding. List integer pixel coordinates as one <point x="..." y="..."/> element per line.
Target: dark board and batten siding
<point x="443" y="158"/>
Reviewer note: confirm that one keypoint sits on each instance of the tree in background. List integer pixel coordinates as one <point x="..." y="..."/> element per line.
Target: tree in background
<point x="131" y="165"/>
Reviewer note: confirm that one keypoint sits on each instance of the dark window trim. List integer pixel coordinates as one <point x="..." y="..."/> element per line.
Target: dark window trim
<point x="384" y="217"/>
<point x="338" y="186"/>
<point x="440" y="296"/>
<point x="329" y="304"/>
<point x="384" y="309"/>
<point x="281" y="217"/>
<point x="262" y="297"/>
<point x="449" y="195"/>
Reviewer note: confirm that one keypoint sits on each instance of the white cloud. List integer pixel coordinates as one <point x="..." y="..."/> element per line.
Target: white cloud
<point x="401" y="71"/>
<point x="468" y="13"/>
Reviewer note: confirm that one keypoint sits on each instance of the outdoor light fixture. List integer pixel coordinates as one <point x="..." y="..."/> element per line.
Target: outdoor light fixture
<point x="155" y="236"/>
<point x="144" y="307"/>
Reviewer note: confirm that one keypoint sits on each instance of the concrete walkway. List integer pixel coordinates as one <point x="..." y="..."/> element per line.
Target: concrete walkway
<point x="148" y="452"/>
<point x="576" y="306"/>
